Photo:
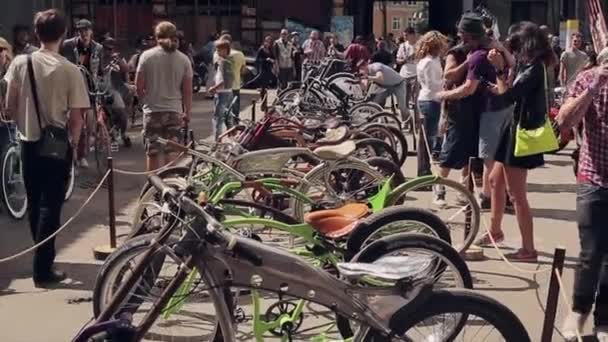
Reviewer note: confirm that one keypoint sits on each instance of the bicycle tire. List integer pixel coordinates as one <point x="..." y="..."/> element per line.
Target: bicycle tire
<point x="372" y="109"/>
<point x="386" y="118"/>
<point x="121" y="255"/>
<point x="466" y="302"/>
<point x="373" y="224"/>
<point x="12" y="153"/>
<point x="379" y="147"/>
<point x="412" y="241"/>
<point x="69" y="191"/>
<point x="388" y="169"/>
<point x="315" y="175"/>
<point x="402" y="148"/>
<point x="400" y="196"/>
<point x="149" y="196"/>
<point x="102" y="149"/>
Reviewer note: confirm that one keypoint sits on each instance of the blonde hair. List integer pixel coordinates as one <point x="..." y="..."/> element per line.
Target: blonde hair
<point x="431" y="43"/>
<point x="9" y="49"/>
<point x="166" y="36"/>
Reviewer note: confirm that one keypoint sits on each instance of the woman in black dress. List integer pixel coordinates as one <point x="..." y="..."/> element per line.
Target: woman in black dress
<point x="529" y="94"/>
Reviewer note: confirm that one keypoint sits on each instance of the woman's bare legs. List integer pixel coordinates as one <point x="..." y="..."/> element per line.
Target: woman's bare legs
<point x="517" y="186"/>
<point x="497" y="181"/>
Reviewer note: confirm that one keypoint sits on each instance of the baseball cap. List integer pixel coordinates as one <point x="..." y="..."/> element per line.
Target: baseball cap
<point x="84" y="24"/>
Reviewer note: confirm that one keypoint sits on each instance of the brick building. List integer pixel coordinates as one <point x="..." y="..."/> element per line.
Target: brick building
<point x="398" y="15"/>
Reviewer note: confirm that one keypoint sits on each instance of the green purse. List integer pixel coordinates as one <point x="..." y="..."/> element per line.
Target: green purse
<point x="529" y="142"/>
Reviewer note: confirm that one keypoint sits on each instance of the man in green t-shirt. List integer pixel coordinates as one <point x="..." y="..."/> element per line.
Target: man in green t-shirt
<point x="237" y="59"/>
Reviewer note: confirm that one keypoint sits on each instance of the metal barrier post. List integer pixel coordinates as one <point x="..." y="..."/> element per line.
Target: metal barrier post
<point x="552" y="296"/>
<point x="253" y="104"/>
<point x="111" y="209"/>
<point x="102" y="252"/>
<point x="264" y="96"/>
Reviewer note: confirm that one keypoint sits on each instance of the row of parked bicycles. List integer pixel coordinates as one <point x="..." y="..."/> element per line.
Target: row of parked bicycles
<point x="300" y="226"/>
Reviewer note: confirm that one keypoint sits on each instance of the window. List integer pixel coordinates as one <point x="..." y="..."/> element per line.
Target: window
<point x="411" y="22"/>
<point x="396" y="23"/>
<point x="411" y="3"/>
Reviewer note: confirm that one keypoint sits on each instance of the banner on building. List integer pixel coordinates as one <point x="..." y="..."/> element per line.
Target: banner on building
<point x="598" y="28"/>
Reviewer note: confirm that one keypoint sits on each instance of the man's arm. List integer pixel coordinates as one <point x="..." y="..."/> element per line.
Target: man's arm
<point x="76" y="122"/>
<point x="140" y="84"/>
<point x="467" y="89"/>
<point x="453" y="71"/>
<point x="378" y="77"/>
<point x="187" y="94"/>
<point x="12" y="99"/>
<point x="562" y="73"/>
<point x="573" y="110"/>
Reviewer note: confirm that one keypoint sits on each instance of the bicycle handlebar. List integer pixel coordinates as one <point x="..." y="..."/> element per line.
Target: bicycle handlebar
<point x="213" y="228"/>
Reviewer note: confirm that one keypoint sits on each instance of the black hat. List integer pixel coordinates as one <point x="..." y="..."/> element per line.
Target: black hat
<point x="471" y="23"/>
<point x="84" y="24"/>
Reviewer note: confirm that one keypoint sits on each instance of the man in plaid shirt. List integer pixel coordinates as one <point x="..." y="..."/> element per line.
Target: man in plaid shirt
<point x="588" y="102"/>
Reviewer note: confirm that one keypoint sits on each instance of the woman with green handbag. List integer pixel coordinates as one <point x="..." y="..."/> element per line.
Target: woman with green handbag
<point x="525" y="138"/>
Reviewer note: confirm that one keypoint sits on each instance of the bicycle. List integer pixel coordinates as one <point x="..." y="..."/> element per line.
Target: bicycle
<point x="14" y="194"/>
<point x="225" y="260"/>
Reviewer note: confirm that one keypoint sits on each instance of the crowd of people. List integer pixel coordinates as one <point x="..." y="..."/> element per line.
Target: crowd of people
<point x="472" y="93"/>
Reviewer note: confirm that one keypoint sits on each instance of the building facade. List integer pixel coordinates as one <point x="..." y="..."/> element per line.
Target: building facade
<point x="395" y="16"/>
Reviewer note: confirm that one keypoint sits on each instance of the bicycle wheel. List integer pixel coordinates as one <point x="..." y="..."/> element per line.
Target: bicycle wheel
<point x="13" y="185"/>
<point x="459" y="210"/>
<point x="386" y="118"/>
<point x="401" y="147"/>
<point x="459" y="315"/>
<point x="149" y="204"/>
<point x="393" y="220"/>
<point x="171" y="172"/>
<point x="102" y="149"/>
<point x="359" y="113"/>
<point x="187" y="317"/>
<point x="351" y="181"/>
<point x="69" y="190"/>
<point x="388" y="169"/>
<point x="426" y="257"/>
<point x="372" y="147"/>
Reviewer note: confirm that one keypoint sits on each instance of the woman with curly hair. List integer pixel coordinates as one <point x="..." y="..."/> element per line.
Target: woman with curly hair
<point x="429" y="51"/>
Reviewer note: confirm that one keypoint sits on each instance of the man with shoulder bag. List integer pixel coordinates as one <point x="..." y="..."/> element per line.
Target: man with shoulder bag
<point x="46" y="97"/>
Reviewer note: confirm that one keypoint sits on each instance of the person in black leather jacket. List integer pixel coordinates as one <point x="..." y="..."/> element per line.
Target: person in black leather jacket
<point x="529" y="94"/>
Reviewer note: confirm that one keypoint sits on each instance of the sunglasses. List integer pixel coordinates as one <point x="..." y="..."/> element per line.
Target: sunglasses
<point x="2" y="49"/>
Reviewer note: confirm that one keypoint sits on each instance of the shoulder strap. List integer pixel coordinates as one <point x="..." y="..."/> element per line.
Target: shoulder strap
<point x="547" y="109"/>
<point x="30" y="71"/>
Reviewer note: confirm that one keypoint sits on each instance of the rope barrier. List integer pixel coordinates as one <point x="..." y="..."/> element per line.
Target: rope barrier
<point x="566" y="299"/>
<point x="63" y="227"/>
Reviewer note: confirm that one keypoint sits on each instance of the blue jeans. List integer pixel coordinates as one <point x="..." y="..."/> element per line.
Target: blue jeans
<point x="400" y="92"/>
<point x="430" y="111"/>
<point x="591" y="278"/>
<point x="221" y="114"/>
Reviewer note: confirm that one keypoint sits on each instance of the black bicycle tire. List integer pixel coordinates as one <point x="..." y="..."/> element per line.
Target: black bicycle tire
<point x="378" y="146"/>
<point x="395" y="118"/>
<point x="141" y="241"/>
<point x="400" y="241"/>
<point x="402" y="141"/>
<point x="14" y="214"/>
<point x="390" y="166"/>
<point x="466" y="302"/>
<point x="377" y="220"/>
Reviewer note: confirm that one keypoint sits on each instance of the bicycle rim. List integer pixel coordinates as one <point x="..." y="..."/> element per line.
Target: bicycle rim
<point x="189" y="315"/>
<point x="460" y="212"/>
<point x="13" y="185"/>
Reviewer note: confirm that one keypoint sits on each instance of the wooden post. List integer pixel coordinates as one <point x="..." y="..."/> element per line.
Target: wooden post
<point x="253" y="104"/>
<point x="559" y="255"/>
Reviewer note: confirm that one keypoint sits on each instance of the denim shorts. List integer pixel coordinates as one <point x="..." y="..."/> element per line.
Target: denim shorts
<point x="491" y="127"/>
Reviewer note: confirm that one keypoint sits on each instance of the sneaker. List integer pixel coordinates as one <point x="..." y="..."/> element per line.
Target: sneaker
<point x="575" y="321"/>
<point x="485" y="203"/>
<point x="439" y="200"/>
<point x="461" y="199"/>
<point x="522" y="256"/>
<point x="601" y="333"/>
<point x="486" y="241"/>
<point x="83" y="163"/>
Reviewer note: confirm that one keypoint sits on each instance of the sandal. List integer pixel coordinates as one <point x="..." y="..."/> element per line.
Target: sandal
<point x="523" y="255"/>
<point x="485" y="241"/>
